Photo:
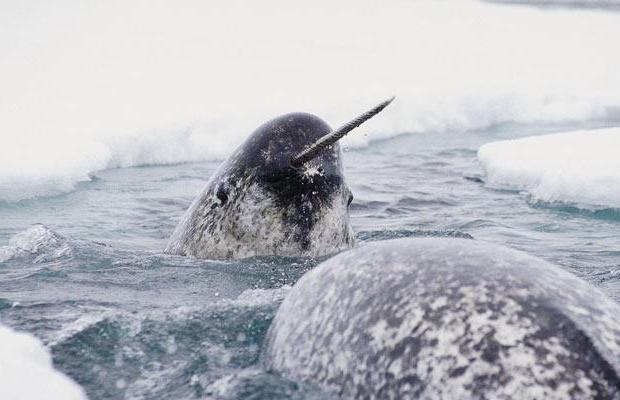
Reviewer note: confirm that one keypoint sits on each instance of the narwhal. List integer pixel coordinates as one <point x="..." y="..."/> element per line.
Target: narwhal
<point x="432" y="318"/>
<point x="282" y="192"/>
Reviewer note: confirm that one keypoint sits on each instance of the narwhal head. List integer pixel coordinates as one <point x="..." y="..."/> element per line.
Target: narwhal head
<point x="282" y="192"/>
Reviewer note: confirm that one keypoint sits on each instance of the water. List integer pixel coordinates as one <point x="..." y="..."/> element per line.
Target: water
<point x="127" y="322"/>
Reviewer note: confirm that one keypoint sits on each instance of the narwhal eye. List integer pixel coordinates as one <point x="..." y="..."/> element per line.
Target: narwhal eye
<point x="221" y="194"/>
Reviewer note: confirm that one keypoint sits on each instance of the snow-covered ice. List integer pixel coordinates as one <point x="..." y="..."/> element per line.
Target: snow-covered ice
<point x="26" y="371"/>
<point x="575" y="167"/>
<point x="83" y="89"/>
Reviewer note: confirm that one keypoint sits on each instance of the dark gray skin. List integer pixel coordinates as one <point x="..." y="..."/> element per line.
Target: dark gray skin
<point x="447" y="319"/>
<point x="257" y="203"/>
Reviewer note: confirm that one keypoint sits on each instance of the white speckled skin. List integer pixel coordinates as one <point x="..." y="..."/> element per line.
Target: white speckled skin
<point x="252" y="225"/>
<point x="447" y="319"/>
<point x="257" y="204"/>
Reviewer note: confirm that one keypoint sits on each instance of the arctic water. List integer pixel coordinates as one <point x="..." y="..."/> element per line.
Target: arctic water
<point x="126" y="321"/>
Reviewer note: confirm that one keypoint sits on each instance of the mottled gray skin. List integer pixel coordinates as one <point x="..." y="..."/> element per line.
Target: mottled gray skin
<point x="257" y="204"/>
<point x="447" y="319"/>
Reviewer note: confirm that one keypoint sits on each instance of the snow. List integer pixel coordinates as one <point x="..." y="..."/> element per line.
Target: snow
<point x="580" y="167"/>
<point x="26" y="371"/>
<point x="118" y="84"/>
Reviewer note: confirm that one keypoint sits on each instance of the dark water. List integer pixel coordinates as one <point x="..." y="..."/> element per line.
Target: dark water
<point x="127" y="322"/>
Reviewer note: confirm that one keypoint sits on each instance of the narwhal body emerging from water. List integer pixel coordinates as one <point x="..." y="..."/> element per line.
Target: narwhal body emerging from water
<point x="282" y="192"/>
<point x="439" y="318"/>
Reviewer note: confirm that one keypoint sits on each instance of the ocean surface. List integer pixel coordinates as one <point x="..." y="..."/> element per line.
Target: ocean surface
<point x="113" y="116"/>
<point x="85" y="273"/>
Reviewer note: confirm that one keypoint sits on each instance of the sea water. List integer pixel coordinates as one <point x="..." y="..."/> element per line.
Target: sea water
<point x="96" y="173"/>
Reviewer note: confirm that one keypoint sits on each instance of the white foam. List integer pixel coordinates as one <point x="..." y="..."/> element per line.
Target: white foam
<point x="116" y="84"/>
<point x="576" y="167"/>
<point x="38" y="242"/>
<point x="26" y="371"/>
<point x="262" y="297"/>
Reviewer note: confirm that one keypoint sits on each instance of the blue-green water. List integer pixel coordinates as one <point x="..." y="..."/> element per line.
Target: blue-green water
<point x="126" y="321"/>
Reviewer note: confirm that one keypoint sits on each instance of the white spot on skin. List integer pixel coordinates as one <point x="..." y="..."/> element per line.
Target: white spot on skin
<point x="312" y="170"/>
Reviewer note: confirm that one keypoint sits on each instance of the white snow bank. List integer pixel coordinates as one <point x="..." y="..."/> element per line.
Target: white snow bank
<point x="26" y="371"/>
<point x="576" y="167"/>
<point x="116" y="83"/>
